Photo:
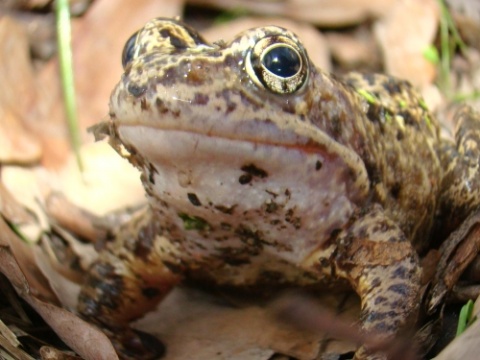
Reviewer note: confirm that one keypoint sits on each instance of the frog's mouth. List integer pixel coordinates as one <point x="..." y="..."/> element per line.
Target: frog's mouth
<point x="280" y="191"/>
<point x="208" y="158"/>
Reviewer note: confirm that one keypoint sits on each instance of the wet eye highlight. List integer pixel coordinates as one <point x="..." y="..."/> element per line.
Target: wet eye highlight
<point x="278" y="64"/>
<point x="129" y="50"/>
<point x="282" y="61"/>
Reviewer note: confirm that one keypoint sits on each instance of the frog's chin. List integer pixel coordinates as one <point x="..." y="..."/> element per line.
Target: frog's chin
<point x="236" y="182"/>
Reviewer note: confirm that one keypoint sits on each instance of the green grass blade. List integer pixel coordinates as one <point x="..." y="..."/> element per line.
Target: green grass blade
<point x="66" y="73"/>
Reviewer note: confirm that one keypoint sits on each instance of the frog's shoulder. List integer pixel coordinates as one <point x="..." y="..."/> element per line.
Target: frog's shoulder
<point x="392" y="100"/>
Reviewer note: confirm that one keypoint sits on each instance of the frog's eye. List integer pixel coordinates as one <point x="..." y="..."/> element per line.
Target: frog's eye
<point x="278" y="64"/>
<point x="129" y="50"/>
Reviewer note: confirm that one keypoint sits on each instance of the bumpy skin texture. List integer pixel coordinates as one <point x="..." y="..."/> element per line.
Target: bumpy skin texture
<point x="257" y="180"/>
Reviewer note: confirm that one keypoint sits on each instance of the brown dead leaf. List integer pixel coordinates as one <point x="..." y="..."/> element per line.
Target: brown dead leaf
<point x="82" y="337"/>
<point x="325" y="12"/>
<point x="190" y="322"/>
<point x="456" y="253"/>
<point x="99" y="188"/>
<point x="404" y="34"/>
<point x="17" y="95"/>
<point x="353" y="49"/>
<point x="17" y="264"/>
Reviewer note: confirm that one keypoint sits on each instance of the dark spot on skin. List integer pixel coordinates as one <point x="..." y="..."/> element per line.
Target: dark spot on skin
<point x="144" y="243"/>
<point x="231" y="106"/>
<point x="194" y="35"/>
<point x="143" y="104"/>
<point x="400" y="135"/>
<point x="191" y="222"/>
<point x="375" y="113"/>
<point x="362" y="232"/>
<point x="225" y="226"/>
<point x="226" y="210"/>
<point x="151" y="293"/>
<point x="198" y="74"/>
<point x="232" y="261"/>
<point x="393" y="86"/>
<point x="174" y="268"/>
<point x="105" y="281"/>
<point x="273" y="194"/>
<point x="334" y="234"/>
<point x="318" y="165"/>
<point x="194" y="199"/>
<point x="151" y="173"/>
<point x="395" y="190"/>
<point x="225" y="95"/>
<point x="162" y="109"/>
<point x="200" y="99"/>
<point x="102" y="269"/>
<point x="401" y="289"/>
<point x="370" y="78"/>
<point x="136" y="90"/>
<point x="408" y="118"/>
<point x="379" y="300"/>
<point x="170" y="76"/>
<point x="375" y="316"/>
<point x="274" y="277"/>
<point x="375" y="283"/>
<point x="271" y="207"/>
<point x="254" y="171"/>
<point x="230" y="61"/>
<point x="400" y="273"/>
<point x="89" y="307"/>
<point x="245" y="179"/>
<point x="249" y="237"/>
<point x="373" y="173"/>
<point x="293" y="220"/>
<point x="176" y="41"/>
<point x="336" y="125"/>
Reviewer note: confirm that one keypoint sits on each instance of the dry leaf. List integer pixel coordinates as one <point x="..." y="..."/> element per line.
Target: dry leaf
<point x="404" y="34"/>
<point x="320" y="12"/>
<point x="17" y="95"/>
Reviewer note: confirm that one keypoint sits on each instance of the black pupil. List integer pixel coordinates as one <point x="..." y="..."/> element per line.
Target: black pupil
<point x="128" y="50"/>
<point x="282" y="61"/>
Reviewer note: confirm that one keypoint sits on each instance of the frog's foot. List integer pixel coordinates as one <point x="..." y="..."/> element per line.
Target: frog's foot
<point x="131" y="344"/>
<point x="120" y="288"/>
<point x="383" y="268"/>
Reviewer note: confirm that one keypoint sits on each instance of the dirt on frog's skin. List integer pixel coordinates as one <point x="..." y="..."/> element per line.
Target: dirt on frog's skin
<point x="324" y="179"/>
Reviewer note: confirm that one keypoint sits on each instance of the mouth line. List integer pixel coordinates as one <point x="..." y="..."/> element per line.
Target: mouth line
<point x="295" y="142"/>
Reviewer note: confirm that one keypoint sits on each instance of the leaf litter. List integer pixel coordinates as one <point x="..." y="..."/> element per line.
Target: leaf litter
<point x="46" y="276"/>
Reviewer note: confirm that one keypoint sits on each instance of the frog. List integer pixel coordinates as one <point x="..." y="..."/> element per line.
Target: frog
<point x="262" y="171"/>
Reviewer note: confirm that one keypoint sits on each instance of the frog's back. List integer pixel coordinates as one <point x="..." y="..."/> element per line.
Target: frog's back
<point x="403" y="166"/>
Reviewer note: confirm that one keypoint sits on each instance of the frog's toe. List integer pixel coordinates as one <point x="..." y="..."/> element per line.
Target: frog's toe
<point x="138" y="345"/>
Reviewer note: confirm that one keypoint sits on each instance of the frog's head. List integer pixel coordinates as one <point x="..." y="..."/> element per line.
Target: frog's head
<point x="243" y="107"/>
<point x="260" y="87"/>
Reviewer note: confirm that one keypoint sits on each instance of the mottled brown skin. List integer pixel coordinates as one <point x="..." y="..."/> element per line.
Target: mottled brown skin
<point x="257" y="180"/>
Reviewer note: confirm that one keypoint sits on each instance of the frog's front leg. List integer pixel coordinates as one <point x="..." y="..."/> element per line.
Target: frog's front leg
<point x="128" y="279"/>
<point x="374" y="255"/>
